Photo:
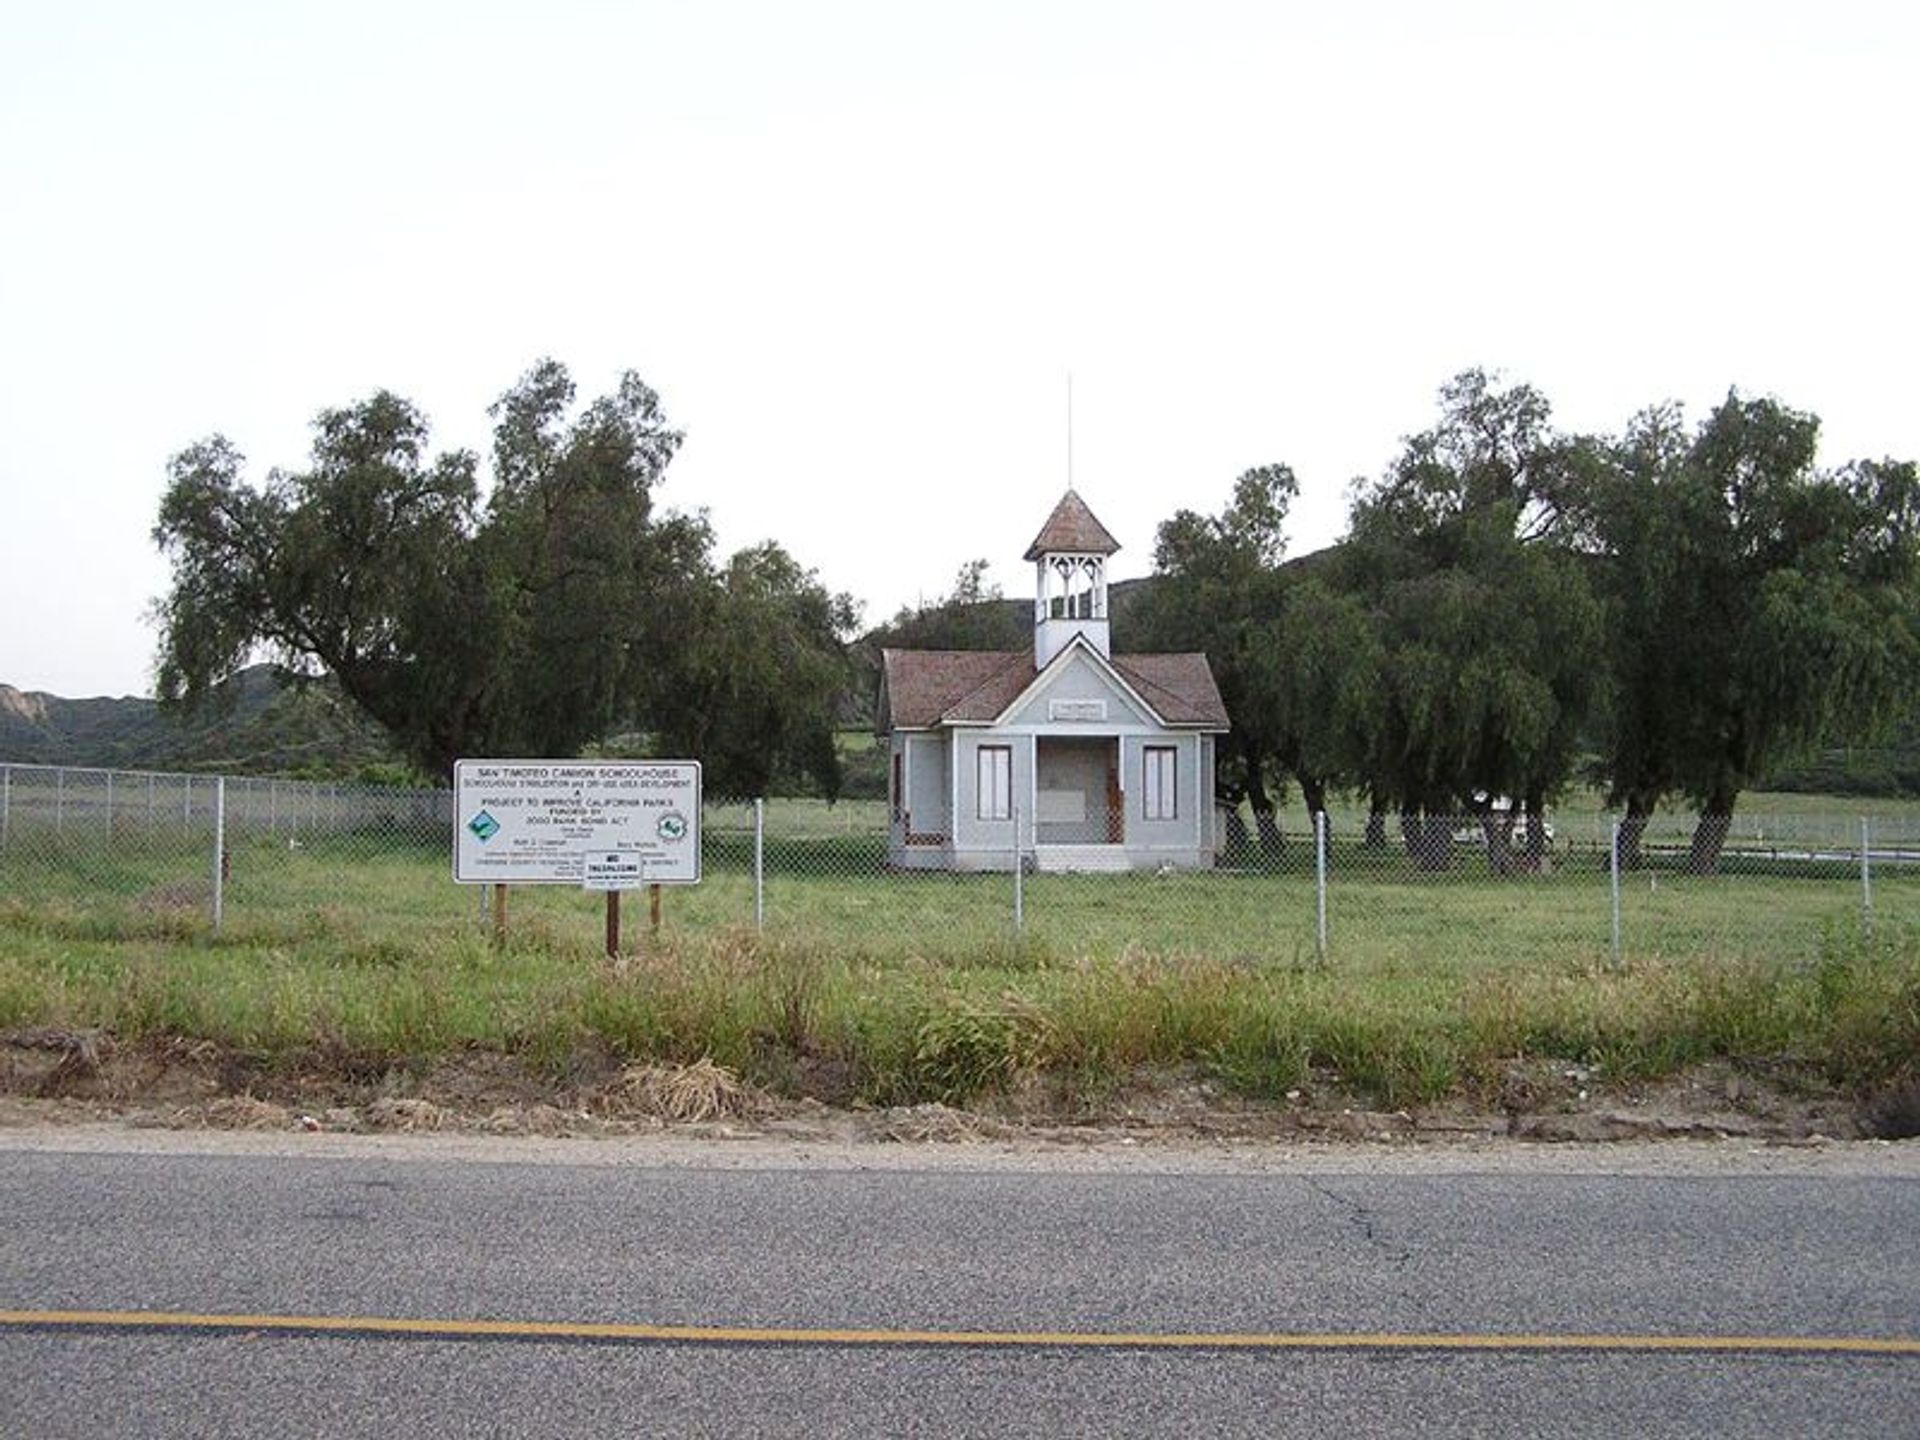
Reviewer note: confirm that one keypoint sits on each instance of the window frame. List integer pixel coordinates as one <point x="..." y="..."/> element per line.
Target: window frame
<point x="993" y="783"/>
<point x="1160" y="792"/>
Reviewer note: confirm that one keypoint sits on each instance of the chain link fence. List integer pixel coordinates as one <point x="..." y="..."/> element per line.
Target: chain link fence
<point x="174" y="850"/>
<point x="108" y="853"/>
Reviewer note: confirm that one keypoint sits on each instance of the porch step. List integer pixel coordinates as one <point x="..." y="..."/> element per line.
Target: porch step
<point x="1069" y="859"/>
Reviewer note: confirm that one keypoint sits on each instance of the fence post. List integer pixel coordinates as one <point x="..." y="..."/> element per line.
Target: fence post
<point x="1320" y="882"/>
<point x="60" y="801"/>
<point x="219" y="848"/>
<point x="186" y="803"/>
<point x="109" y="807"/>
<point x="759" y="864"/>
<point x="1866" y="877"/>
<point x="1019" y="876"/>
<point x="1613" y="874"/>
<point x="6" y="802"/>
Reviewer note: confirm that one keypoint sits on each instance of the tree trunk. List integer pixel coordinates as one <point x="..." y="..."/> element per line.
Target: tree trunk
<point x="1496" y="833"/>
<point x="1228" y="797"/>
<point x="1314" y="791"/>
<point x="1710" y="836"/>
<point x="1534" y="854"/>
<point x="1496" y="826"/>
<point x="1272" y="843"/>
<point x="1633" y="829"/>
<point x="1376" y="836"/>
<point x="1429" y="839"/>
<point x="1239" y="843"/>
<point x="1263" y="816"/>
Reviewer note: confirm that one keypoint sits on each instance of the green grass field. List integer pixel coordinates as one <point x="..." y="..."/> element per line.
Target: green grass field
<point x="831" y="888"/>
<point x="887" y="988"/>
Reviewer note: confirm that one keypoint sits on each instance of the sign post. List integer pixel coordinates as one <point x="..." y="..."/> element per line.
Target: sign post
<point x="613" y="871"/>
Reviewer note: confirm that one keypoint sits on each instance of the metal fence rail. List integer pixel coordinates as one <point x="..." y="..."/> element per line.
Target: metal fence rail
<point x="285" y="858"/>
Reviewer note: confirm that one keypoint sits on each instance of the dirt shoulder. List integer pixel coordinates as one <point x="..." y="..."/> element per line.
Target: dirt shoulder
<point x="1170" y="1156"/>
<point x="55" y="1079"/>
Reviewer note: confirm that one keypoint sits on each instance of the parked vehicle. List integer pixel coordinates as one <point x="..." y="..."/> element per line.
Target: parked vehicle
<point x="1474" y="833"/>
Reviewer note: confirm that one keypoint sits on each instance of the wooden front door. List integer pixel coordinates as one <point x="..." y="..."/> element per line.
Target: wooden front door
<point x="1116" y="810"/>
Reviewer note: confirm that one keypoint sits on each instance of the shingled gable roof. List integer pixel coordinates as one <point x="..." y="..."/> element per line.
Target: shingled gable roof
<point x="928" y="688"/>
<point x="1072" y="530"/>
<point x="1180" y="687"/>
<point x="923" y="685"/>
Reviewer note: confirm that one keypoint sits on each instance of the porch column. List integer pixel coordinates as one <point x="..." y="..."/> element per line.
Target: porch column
<point x="1032" y="807"/>
<point x="1202" y="796"/>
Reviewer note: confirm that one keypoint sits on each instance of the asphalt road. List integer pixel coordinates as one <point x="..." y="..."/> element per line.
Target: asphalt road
<point x="1367" y="1260"/>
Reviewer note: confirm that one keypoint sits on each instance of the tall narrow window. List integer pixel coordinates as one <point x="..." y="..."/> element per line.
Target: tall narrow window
<point x="995" y="779"/>
<point x="1158" y="788"/>
<point x="899" y="784"/>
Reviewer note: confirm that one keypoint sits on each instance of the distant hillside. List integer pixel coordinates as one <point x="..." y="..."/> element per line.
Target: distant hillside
<point x="253" y="724"/>
<point x="1880" y="771"/>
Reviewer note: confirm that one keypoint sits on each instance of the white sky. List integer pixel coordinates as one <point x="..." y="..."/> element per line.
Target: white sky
<point x="857" y="248"/>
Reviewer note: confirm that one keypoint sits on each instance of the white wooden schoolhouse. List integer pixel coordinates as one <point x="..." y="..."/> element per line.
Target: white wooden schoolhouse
<point x="1092" y="760"/>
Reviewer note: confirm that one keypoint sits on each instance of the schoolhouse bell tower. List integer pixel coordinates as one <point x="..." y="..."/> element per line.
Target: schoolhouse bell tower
<point x="1070" y="570"/>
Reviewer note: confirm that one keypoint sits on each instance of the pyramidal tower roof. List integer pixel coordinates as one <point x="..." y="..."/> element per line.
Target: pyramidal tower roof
<point x="1071" y="529"/>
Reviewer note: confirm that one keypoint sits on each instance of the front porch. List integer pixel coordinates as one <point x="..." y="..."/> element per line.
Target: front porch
<point x="1076" y="792"/>
<point x="1081" y="859"/>
<point x="1079" y="817"/>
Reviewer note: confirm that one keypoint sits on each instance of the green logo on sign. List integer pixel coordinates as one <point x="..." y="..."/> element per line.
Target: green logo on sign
<point x="484" y="827"/>
<point x="673" y="826"/>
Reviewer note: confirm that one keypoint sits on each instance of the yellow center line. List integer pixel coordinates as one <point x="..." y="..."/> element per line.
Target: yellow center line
<point x="369" y="1326"/>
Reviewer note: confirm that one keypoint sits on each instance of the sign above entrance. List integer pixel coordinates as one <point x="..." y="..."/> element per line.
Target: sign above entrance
<point x="1080" y="710"/>
<point x="533" y="822"/>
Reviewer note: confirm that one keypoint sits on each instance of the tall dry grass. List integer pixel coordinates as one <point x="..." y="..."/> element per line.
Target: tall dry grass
<point x="889" y="1025"/>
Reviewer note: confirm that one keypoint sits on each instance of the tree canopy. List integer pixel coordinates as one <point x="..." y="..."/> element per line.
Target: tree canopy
<point x="561" y="607"/>
<point x="971" y="615"/>
<point x="1669" y="611"/>
<point x="1486" y="628"/>
<point x="1755" y="604"/>
<point x="1216" y="590"/>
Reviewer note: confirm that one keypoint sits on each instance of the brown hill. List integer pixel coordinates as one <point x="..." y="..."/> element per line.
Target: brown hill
<point x="256" y="723"/>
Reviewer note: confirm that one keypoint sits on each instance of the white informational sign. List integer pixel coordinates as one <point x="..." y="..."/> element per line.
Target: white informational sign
<point x="533" y="822"/>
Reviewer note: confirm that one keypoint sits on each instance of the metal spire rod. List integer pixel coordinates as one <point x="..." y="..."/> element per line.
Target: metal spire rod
<point x="1069" y="429"/>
